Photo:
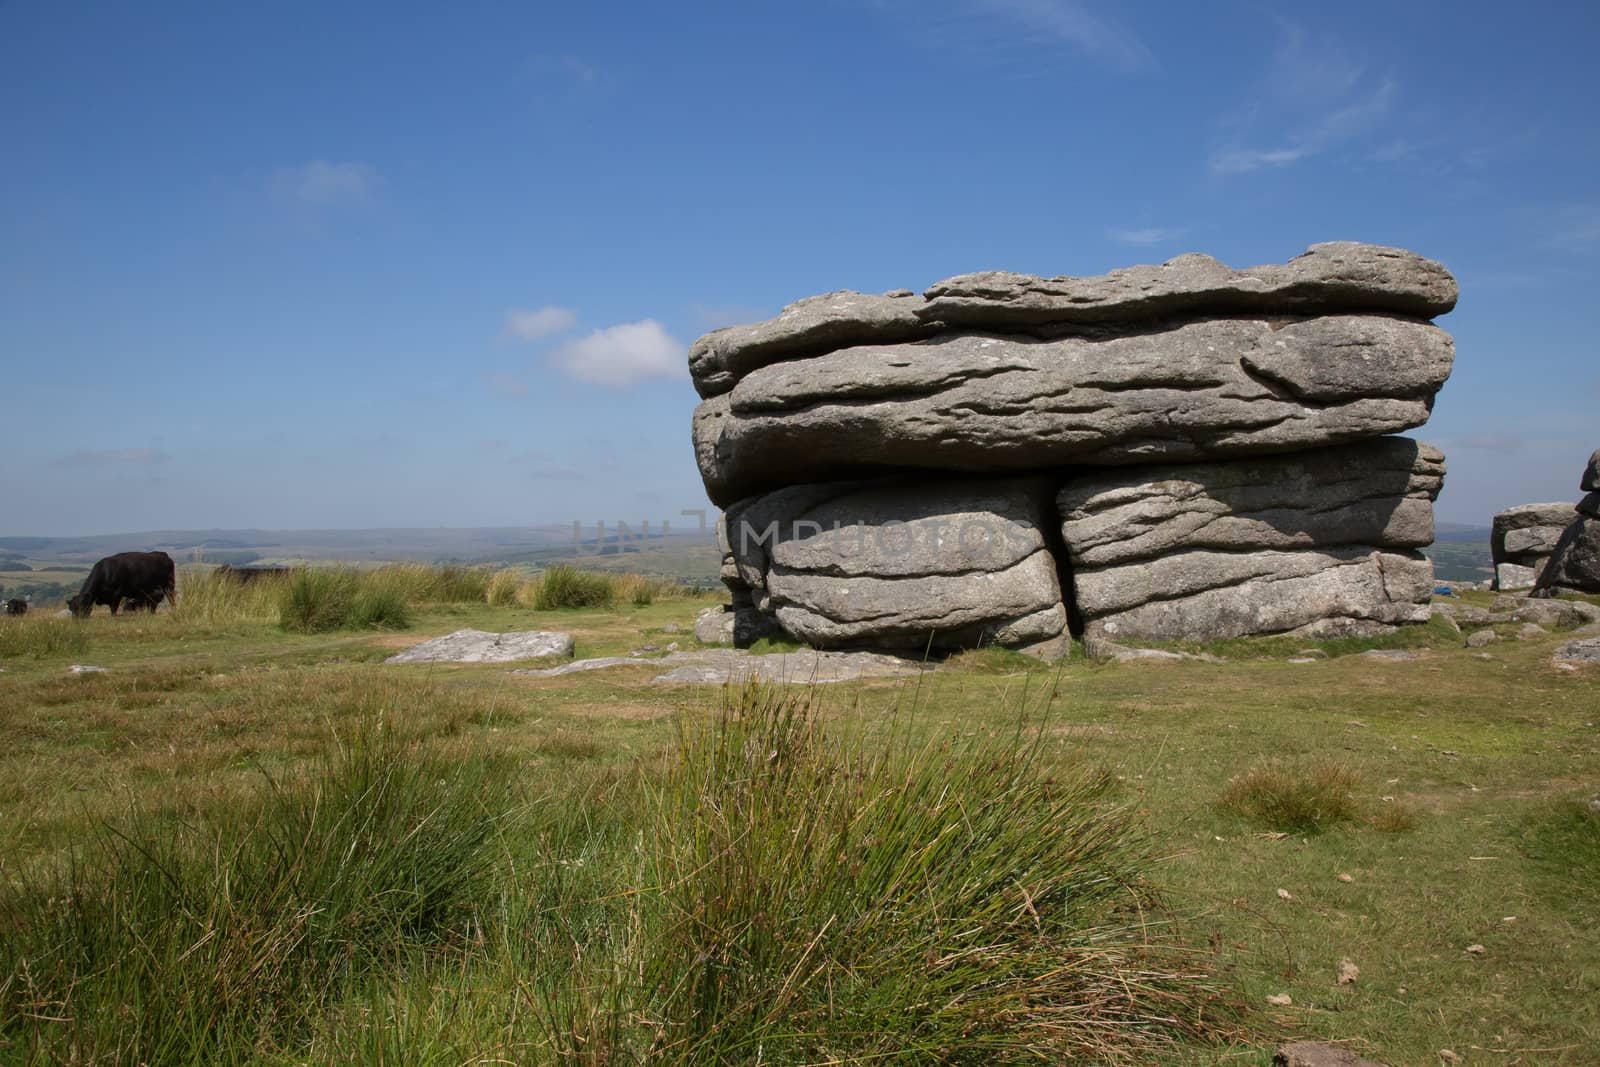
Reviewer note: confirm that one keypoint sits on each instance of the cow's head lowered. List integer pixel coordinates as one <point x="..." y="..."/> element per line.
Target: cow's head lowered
<point x="80" y="605"/>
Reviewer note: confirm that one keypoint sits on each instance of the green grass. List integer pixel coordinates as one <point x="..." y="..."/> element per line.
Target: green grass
<point x="1471" y="772"/>
<point x="40" y="637"/>
<point x="1295" y="798"/>
<point x="567" y="587"/>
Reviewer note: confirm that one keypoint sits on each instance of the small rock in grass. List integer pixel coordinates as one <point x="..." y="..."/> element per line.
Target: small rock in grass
<point x="1284" y="894"/>
<point x="1346" y="878"/>
<point x="1449" y="1056"/>
<point x="1280" y="1000"/>
<point x="1480" y="638"/>
<point x="1475" y="950"/>
<point x="1348" y="972"/>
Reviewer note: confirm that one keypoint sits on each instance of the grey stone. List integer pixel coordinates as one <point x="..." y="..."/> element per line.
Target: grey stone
<point x="1341" y="626"/>
<point x="1586" y="650"/>
<point x="1530" y="631"/>
<point x="714" y="626"/>
<point x="1375" y="493"/>
<point x="1211" y="594"/>
<point x="1098" y="648"/>
<point x="1562" y="613"/>
<point x="1204" y="390"/>
<point x="1514" y="576"/>
<point x="479" y="646"/>
<point x="1575" y="562"/>
<point x="1053" y="650"/>
<point x="1391" y="655"/>
<point x="719" y="665"/>
<point x="905" y="564"/>
<point x="1333" y="277"/>
<point x="84" y="668"/>
<point x="1591" y="474"/>
<point x="1526" y="535"/>
<point x="1481" y="638"/>
<point x="1318" y="1054"/>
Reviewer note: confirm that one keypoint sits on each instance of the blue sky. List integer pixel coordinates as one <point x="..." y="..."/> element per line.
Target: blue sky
<point x="351" y="265"/>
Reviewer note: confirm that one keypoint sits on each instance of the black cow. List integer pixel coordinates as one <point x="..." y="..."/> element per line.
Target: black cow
<point x="16" y="607"/>
<point x="246" y="575"/>
<point x="142" y="577"/>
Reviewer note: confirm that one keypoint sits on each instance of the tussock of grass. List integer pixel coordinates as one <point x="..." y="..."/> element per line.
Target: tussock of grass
<point x="207" y="596"/>
<point x="39" y="636"/>
<point x="316" y="600"/>
<point x="842" y="900"/>
<point x="568" y="587"/>
<point x="171" y="942"/>
<point x="504" y="589"/>
<point x="1295" y="797"/>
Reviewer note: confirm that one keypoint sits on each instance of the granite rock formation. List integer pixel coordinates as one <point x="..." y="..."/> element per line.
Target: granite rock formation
<point x="1182" y="450"/>
<point x="1521" y="540"/>
<point x="1575" y="558"/>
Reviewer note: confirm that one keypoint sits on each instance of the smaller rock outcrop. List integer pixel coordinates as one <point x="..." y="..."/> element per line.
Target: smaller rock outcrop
<point x="1574" y="561"/>
<point x="1522" y="539"/>
<point x="480" y="646"/>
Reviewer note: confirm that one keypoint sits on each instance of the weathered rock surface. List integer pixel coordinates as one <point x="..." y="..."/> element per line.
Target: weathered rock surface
<point x="974" y="464"/>
<point x="714" y="626"/>
<point x="480" y="646"/>
<point x="719" y="665"/>
<point x="1574" y="561"/>
<point x="1586" y="650"/>
<point x="914" y="565"/>
<point x="967" y="402"/>
<point x="1213" y="550"/>
<point x="1524" y="537"/>
<point x="1338" y="276"/>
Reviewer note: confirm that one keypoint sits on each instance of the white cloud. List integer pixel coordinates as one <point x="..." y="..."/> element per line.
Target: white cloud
<point x="1069" y="22"/>
<point x="1148" y="235"/>
<point x="622" y="355"/>
<point x="321" y="182"/>
<point x="115" y="457"/>
<point x="540" y="322"/>
<point x="1312" y="98"/>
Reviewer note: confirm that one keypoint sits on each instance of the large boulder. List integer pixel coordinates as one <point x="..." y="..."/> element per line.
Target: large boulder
<point x="1213" y="550"/>
<point x="1574" y="560"/>
<point x="891" y="464"/>
<point x="900" y="564"/>
<point x="1591" y="474"/>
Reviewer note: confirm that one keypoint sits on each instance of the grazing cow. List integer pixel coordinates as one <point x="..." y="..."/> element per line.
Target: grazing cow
<point x="142" y="577"/>
<point x="246" y="575"/>
<point x="16" y="607"/>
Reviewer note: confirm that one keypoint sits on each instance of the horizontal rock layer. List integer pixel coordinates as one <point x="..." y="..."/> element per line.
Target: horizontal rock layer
<point x="1212" y="550"/>
<point x="944" y="564"/>
<point x="1209" y="595"/>
<point x="1377" y="493"/>
<point x="964" y="402"/>
<point x="1528" y="533"/>
<point x="1339" y="276"/>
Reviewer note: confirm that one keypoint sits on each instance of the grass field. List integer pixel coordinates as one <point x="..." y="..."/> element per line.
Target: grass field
<point x="526" y="861"/>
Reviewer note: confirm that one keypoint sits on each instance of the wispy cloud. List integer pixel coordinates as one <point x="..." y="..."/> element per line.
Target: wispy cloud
<point x="623" y="355"/>
<point x="1312" y="98"/>
<point x="321" y="182"/>
<point x="114" y="457"/>
<point x="1071" y="23"/>
<point x="539" y="322"/>
<point x="1148" y="235"/>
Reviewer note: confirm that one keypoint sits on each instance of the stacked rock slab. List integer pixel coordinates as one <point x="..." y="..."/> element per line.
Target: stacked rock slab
<point x="1575" y="560"/>
<point x="987" y="461"/>
<point x="1322" y="542"/>
<point x="1522" y="539"/>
